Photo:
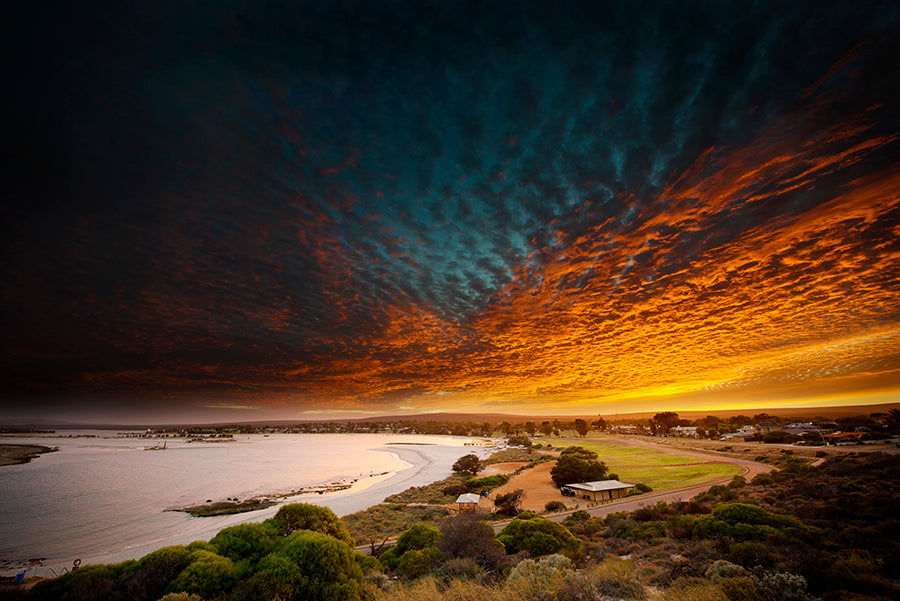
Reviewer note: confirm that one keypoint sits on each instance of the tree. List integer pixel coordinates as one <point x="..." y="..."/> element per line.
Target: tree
<point x="894" y="418"/>
<point x="666" y="420"/>
<point x="303" y="516"/>
<point x="508" y="504"/>
<point x="467" y="464"/>
<point x="740" y="420"/>
<point x="599" y="424"/>
<point x="530" y="428"/>
<point x="546" y="428"/>
<point x="581" y="427"/>
<point x="577" y="464"/>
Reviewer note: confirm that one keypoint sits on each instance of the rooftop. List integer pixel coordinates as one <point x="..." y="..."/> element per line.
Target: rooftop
<point x="600" y="485"/>
<point x="468" y="498"/>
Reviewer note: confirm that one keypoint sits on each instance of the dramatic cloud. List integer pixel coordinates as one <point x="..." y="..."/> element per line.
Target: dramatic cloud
<point x="332" y="206"/>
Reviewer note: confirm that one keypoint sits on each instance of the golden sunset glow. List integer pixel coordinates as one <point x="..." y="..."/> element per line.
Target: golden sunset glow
<point x="573" y="226"/>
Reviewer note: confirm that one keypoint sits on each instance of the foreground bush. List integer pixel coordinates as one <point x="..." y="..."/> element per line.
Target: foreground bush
<point x="536" y="535"/>
<point x="540" y="579"/>
<point x="303" y="516"/>
<point x="207" y="575"/>
<point x="244" y="562"/>
<point x="464" y="537"/>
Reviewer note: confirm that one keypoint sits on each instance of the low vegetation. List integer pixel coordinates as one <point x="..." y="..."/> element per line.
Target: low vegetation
<point x="379" y="523"/>
<point x="303" y="552"/>
<point x="801" y="533"/>
<point x="226" y="507"/>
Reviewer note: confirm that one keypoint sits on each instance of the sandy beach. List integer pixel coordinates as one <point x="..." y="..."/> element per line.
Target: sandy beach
<point x="426" y="463"/>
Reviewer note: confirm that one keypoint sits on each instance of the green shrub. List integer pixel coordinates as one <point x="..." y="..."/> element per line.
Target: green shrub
<point x="416" y="562"/>
<point x="91" y="582"/>
<point x="486" y="483"/>
<point x="537" y="535"/>
<point x="555" y="506"/>
<point x="710" y="526"/>
<point x="201" y="545"/>
<point x="626" y="529"/>
<point x="249" y="542"/>
<point x="305" y="566"/>
<point x="274" y="578"/>
<point x="578" y="516"/>
<point x="651" y="530"/>
<point x="751" y="554"/>
<point x="417" y="538"/>
<point x="741" y="512"/>
<point x="207" y="575"/>
<point x="303" y="516"/>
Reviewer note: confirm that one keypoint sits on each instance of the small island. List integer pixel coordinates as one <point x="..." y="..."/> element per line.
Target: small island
<point x="14" y="454"/>
<point x="225" y="507"/>
<point x="233" y="506"/>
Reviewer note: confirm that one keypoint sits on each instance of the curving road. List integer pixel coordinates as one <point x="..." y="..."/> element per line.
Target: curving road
<point x="751" y="469"/>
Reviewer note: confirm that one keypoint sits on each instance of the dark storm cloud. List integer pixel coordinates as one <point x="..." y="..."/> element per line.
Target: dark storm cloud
<point x="292" y="196"/>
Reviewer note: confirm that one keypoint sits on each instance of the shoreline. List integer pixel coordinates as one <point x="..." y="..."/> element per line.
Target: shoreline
<point x="339" y="496"/>
<point x="17" y="454"/>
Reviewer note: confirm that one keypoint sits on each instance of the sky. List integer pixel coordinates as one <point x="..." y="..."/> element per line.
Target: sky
<point x="248" y="210"/>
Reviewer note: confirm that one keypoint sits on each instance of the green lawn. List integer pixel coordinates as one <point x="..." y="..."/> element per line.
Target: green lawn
<point x="665" y="477"/>
<point x="656" y="468"/>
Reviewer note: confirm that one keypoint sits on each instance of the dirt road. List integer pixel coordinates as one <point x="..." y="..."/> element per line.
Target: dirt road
<point x="751" y="469"/>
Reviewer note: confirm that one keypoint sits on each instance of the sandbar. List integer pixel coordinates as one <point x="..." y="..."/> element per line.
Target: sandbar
<point x="15" y="454"/>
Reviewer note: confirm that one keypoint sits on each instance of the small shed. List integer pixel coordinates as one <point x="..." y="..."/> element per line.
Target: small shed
<point x="601" y="490"/>
<point x="467" y="502"/>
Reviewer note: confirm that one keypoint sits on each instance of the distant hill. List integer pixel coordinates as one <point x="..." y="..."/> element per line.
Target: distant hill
<point x="491" y="418"/>
<point x="496" y="418"/>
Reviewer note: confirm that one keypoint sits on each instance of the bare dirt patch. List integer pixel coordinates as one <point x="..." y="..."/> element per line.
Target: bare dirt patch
<point x="502" y="468"/>
<point x="537" y="486"/>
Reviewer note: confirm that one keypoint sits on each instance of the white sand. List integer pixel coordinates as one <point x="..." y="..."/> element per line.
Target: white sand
<point x="427" y="464"/>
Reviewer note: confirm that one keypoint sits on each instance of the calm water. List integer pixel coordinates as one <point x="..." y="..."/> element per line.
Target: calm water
<point x="105" y="497"/>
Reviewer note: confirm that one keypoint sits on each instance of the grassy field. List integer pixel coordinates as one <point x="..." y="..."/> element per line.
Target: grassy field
<point x="658" y="469"/>
<point x="666" y="477"/>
